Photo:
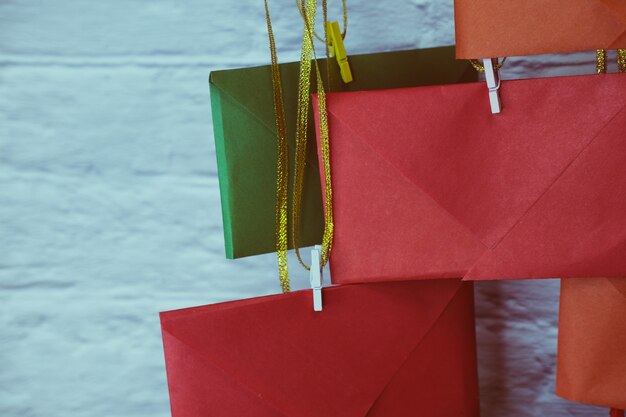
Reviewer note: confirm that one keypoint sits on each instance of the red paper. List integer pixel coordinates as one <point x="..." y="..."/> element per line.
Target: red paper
<point x="390" y="349"/>
<point x="427" y="183"/>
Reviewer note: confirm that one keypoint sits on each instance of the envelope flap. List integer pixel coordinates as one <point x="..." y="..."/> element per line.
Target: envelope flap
<point x="578" y="227"/>
<point x="250" y="88"/>
<point x="486" y="170"/>
<point x="620" y="285"/>
<point x="333" y="363"/>
<point x="245" y="136"/>
<point x="199" y="389"/>
<point x="374" y="204"/>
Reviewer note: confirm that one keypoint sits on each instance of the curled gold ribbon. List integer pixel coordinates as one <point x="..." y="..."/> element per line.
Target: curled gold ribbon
<point x="282" y="171"/>
<point x="308" y="52"/>
<point x="344" y="7"/>
<point x="282" y="166"/>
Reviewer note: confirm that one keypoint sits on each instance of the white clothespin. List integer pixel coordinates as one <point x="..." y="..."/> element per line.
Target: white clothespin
<point x="316" y="277"/>
<point x="493" y="83"/>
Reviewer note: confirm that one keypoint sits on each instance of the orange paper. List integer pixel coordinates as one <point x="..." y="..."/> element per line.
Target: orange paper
<point x="496" y="28"/>
<point x="592" y="341"/>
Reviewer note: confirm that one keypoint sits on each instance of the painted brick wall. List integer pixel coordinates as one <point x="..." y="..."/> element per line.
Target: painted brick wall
<point x="109" y="205"/>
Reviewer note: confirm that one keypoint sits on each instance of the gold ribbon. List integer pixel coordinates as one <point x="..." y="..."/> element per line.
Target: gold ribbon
<point x="308" y="52"/>
<point x="601" y="65"/>
<point x="601" y="60"/>
<point x="300" y="5"/>
<point x="304" y="89"/>
<point x="621" y="60"/>
<point x="282" y="166"/>
<point x="478" y="66"/>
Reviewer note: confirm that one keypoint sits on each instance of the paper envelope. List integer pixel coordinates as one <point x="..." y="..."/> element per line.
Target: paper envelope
<point x="496" y="28"/>
<point x="387" y="349"/>
<point x="591" y="365"/>
<point x="245" y="137"/>
<point x="427" y="183"/>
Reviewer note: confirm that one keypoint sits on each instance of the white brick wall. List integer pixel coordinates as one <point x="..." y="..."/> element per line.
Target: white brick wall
<point x="109" y="206"/>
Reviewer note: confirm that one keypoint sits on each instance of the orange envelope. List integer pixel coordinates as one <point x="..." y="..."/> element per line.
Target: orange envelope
<point x="497" y="28"/>
<point x="591" y="365"/>
<point x="377" y="350"/>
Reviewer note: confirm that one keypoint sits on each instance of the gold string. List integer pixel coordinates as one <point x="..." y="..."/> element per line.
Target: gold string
<point x="344" y="8"/>
<point x="304" y="91"/>
<point x="601" y="61"/>
<point x="325" y="40"/>
<point x="478" y="66"/>
<point x="282" y="166"/>
<point x="601" y="65"/>
<point x="621" y="60"/>
<point x="304" y="87"/>
<point x="308" y="52"/>
<point x="327" y="238"/>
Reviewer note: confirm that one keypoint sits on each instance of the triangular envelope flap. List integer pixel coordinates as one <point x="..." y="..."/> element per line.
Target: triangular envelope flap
<point x="486" y="170"/>
<point x="199" y="389"/>
<point x="620" y="285"/>
<point x="251" y="88"/>
<point x="333" y="363"/>
<point x="376" y="207"/>
<point x="578" y="227"/>
<point x="439" y="379"/>
<point x="248" y="163"/>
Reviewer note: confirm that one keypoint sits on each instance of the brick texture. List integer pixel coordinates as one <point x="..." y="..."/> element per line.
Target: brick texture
<point x="109" y="204"/>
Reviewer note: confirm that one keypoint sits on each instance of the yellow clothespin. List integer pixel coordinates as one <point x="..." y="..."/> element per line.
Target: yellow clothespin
<point x="335" y="43"/>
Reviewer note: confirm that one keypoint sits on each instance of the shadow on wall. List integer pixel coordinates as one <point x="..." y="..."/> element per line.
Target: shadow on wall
<point x="516" y="325"/>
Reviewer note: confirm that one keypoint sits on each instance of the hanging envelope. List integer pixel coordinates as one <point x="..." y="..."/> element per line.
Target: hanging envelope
<point x="388" y="349"/>
<point x="495" y="28"/>
<point x="443" y="188"/>
<point x="591" y="365"/>
<point x="245" y="137"/>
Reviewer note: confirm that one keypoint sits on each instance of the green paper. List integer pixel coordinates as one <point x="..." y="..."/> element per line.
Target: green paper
<point x="246" y="145"/>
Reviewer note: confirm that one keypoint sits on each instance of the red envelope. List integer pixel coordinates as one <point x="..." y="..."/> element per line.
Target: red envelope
<point x="427" y="183"/>
<point x="591" y="366"/>
<point x="390" y="349"/>
<point x="493" y="28"/>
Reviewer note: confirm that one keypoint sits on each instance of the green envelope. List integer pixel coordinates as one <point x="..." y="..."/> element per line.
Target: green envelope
<point x="245" y="137"/>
